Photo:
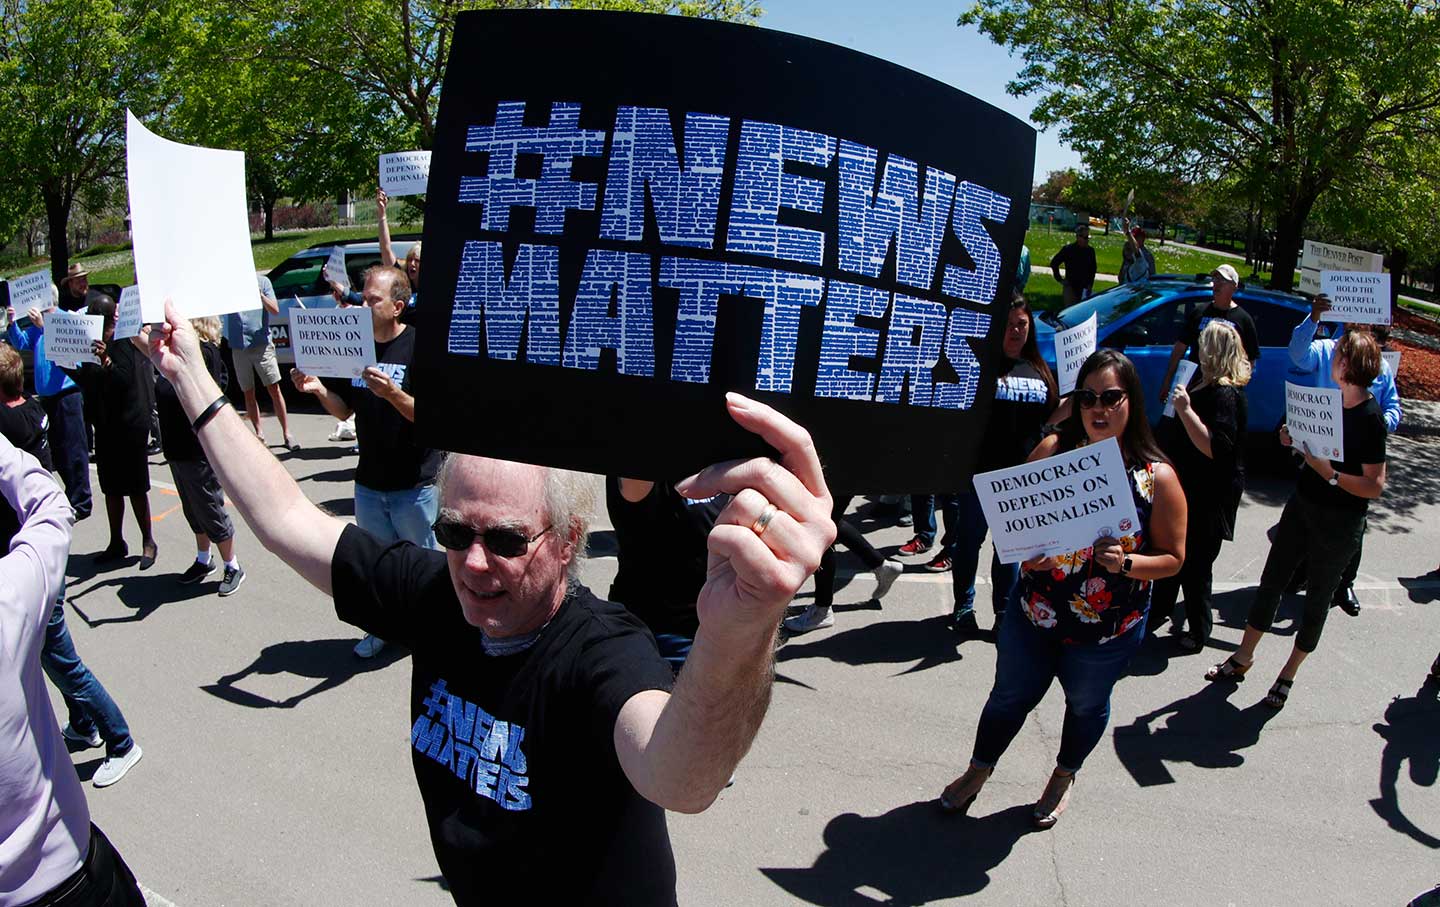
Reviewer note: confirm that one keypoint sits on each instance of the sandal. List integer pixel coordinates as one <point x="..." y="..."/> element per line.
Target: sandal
<point x="1054" y="800"/>
<point x="960" y="793"/>
<point x="1229" y="669"/>
<point x="1278" y="694"/>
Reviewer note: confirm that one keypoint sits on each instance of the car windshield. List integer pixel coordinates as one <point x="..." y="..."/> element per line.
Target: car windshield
<point x="1107" y="307"/>
<point x="299" y="276"/>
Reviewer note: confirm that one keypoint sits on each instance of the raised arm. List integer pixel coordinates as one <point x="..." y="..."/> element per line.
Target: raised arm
<point x="679" y="749"/>
<point x="272" y="504"/>
<point x="387" y="252"/>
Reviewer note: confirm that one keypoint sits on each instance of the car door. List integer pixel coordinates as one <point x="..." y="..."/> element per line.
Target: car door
<point x="1147" y="339"/>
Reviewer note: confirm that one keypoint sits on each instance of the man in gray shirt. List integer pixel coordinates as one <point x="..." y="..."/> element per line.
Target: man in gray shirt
<point x="248" y="334"/>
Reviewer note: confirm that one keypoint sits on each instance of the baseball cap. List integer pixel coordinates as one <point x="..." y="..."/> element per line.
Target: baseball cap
<point x="1226" y="273"/>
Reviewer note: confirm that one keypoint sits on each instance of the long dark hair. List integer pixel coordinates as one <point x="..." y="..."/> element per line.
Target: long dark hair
<point x="1137" y="442"/>
<point x="1030" y="352"/>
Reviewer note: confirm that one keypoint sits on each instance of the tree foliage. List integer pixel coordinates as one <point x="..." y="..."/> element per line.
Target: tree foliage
<point x="1295" y="98"/>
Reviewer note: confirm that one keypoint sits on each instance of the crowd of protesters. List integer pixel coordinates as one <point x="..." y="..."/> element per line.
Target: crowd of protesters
<point x="469" y="564"/>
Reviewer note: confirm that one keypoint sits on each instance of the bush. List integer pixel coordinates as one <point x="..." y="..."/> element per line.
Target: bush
<point x="296" y="217"/>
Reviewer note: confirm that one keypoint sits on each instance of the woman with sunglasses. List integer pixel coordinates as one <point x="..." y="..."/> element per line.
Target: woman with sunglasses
<point x="1203" y="441"/>
<point x="1324" y="519"/>
<point x="1081" y="616"/>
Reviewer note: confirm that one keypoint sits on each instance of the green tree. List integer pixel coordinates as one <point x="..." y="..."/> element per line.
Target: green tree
<point x="1057" y="183"/>
<point x="1296" y="95"/>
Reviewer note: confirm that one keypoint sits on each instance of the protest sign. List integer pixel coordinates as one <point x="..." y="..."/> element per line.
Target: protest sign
<point x="629" y="216"/>
<point x="1072" y="347"/>
<point x="1316" y="257"/>
<point x="334" y="269"/>
<point x="404" y="172"/>
<point x="1356" y="296"/>
<point x="127" y="313"/>
<point x="332" y="343"/>
<point x="190" y="226"/>
<point x="1315" y="418"/>
<point x="1392" y="359"/>
<point x="1059" y="504"/>
<point x="1184" y="371"/>
<point x="30" y="291"/>
<point x="70" y="335"/>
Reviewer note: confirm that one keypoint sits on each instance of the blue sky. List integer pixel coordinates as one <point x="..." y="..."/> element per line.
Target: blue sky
<point x="921" y="35"/>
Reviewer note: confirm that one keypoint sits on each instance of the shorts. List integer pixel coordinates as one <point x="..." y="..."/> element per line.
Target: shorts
<point x="202" y="499"/>
<point x="254" y="359"/>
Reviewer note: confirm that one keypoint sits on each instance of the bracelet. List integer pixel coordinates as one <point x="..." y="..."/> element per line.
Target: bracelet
<point x="209" y="413"/>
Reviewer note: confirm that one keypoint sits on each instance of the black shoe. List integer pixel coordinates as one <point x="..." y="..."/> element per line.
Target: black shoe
<point x="234" y="576"/>
<point x="112" y="553"/>
<point x="197" y="572"/>
<point x="964" y="623"/>
<point x="1348" y="601"/>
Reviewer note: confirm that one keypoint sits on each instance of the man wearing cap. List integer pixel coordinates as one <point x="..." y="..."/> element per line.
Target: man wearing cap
<point x="1225" y="282"/>
<point x="1078" y="259"/>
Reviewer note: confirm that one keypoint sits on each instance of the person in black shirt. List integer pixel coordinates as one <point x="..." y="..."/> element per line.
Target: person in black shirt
<point x="1225" y="281"/>
<point x="1323" y="520"/>
<point x="545" y="741"/>
<point x="1078" y="260"/>
<point x="1203" y="441"/>
<point x="395" y="495"/>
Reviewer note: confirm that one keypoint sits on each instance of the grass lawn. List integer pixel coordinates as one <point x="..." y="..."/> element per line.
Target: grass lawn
<point x="1109" y="250"/>
<point x="1043" y="293"/>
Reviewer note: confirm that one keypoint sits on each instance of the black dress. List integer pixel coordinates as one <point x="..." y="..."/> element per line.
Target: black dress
<point x="124" y="395"/>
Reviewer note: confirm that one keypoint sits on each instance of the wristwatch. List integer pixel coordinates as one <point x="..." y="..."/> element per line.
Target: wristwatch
<point x="1334" y="478"/>
<point x="1126" y="565"/>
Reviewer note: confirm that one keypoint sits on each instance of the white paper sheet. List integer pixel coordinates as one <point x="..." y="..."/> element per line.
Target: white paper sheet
<point x="1315" y="418"/>
<point x="30" y="291"/>
<point x="404" y="172"/>
<point x="1072" y="347"/>
<point x="70" y="335"/>
<point x="1392" y="359"/>
<point x="334" y="269"/>
<point x="190" y="226"/>
<point x="333" y="343"/>
<point x="1183" y="373"/>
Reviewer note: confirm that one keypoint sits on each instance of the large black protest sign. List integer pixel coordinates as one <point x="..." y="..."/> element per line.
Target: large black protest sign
<point x="629" y="215"/>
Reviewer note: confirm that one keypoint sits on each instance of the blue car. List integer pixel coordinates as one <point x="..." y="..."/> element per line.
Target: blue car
<point x="1144" y="321"/>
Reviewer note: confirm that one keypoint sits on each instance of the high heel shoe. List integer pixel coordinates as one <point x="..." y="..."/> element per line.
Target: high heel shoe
<point x="960" y="793"/>
<point x="1054" y="800"/>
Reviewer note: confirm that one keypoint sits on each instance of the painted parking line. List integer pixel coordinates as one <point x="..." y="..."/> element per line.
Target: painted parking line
<point x="154" y="900"/>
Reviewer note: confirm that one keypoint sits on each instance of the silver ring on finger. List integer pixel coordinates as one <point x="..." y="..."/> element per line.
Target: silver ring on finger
<point x="762" y="522"/>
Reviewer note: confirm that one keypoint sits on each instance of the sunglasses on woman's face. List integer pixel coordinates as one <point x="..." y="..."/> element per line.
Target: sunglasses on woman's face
<point x="1107" y="398"/>
<point x="499" y="541"/>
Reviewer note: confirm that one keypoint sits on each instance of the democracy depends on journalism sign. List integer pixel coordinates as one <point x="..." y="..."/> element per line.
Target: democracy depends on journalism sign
<point x="629" y="215"/>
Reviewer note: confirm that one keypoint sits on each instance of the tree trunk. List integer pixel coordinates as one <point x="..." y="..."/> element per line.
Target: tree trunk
<point x="1285" y="255"/>
<point x="268" y="204"/>
<point x="57" y="214"/>
<point x="1399" y="261"/>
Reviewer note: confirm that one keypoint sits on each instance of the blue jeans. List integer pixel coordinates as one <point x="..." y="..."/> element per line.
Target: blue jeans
<point x="674" y="648"/>
<point x="69" y="448"/>
<point x="1028" y="659"/>
<point x="399" y="516"/>
<point x="90" y="706"/>
<point x="968" y="530"/>
<point x="922" y="508"/>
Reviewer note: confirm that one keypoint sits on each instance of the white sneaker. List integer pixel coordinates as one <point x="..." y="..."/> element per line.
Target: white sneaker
<point x="74" y="736"/>
<point x="342" y="432"/>
<point x="885" y="576"/>
<point x="115" y="767"/>
<point x="812" y="618"/>
<point x="369" y="647"/>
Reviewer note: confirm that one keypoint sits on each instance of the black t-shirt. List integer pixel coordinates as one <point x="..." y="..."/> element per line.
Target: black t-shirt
<point x="390" y="459"/>
<point x="514" y="755"/>
<point x="121" y="396"/>
<point x="25" y="426"/>
<point x="177" y="438"/>
<point x="662" y="554"/>
<point x="1364" y="429"/>
<point x="1237" y="316"/>
<point x="1212" y="485"/>
<point x="1079" y="264"/>
<point x="1022" y="403"/>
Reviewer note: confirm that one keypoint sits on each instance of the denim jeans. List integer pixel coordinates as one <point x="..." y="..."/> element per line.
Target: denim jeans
<point x="922" y="508"/>
<point x="674" y="648"/>
<point x="968" y="529"/>
<point x="1027" y="660"/>
<point x="399" y="516"/>
<point x="90" y="706"/>
<point x="69" y="448"/>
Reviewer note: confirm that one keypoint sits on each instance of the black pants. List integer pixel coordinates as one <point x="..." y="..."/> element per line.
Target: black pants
<point x="70" y="447"/>
<point x="1327" y="537"/>
<point x="103" y="880"/>
<point x="1202" y="547"/>
<point x="851" y="538"/>
<point x="1352" y="569"/>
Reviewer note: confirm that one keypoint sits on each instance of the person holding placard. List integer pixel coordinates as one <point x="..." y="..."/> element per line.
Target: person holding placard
<point x="1224" y="281"/>
<point x="349" y="296"/>
<point x="1080" y="616"/>
<point x="1324" y="519"/>
<point x="253" y="352"/>
<point x="122" y="386"/>
<point x="395" y="496"/>
<point x="1204" y="442"/>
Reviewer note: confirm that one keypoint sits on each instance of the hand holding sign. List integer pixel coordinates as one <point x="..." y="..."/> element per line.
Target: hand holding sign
<point x="1184" y="371"/>
<point x="1072" y="347"/>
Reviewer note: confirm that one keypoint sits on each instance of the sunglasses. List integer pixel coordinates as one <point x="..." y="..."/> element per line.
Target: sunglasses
<point x="501" y="542"/>
<point x="1108" y="398"/>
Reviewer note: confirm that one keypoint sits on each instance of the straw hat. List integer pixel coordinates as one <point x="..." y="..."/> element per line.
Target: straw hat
<point x="74" y="271"/>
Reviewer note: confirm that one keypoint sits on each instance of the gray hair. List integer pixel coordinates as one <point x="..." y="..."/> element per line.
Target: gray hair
<point x="570" y="498"/>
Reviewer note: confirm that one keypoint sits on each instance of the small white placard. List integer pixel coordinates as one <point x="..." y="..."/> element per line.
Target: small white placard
<point x="1059" y="504"/>
<point x="1357" y="296"/>
<point x="127" y="313"/>
<point x="1392" y="359"/>
<point x="334" y="269"/>
<point x="190" y="226"/>
<point x="404" y="172"/>
<point x="332" y="343"/>
<point x="1072" y="347"/>
<point x="1315" y="417"/>
<point x="30" y="292"/>
<point x="70" y="335"/>
<point x="1183" y="373"/>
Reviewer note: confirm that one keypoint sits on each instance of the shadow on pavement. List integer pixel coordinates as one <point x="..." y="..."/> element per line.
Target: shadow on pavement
<point x="914" y="854"/>
<point x="143" y="594"/>
<point x="1411" y="486"/>
<point x="1232" y="609"/>
<point x="330" y="475"/>
<point x="334" y="452"/>
<point x="1410" y="735"/>
<point x="928" y="643"/>
<point x="1206" y="730"/>
<point x="339" y="507"/>
<point x="331" y="662"/>
<point x="1423" y="589"/>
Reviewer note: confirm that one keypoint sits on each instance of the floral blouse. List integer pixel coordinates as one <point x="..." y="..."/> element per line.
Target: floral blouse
<point x="1083" y="601"/>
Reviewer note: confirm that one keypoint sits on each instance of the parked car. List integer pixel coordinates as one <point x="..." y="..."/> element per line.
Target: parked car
<point x="299" y="278"/>
<point x="1144" y="321"/>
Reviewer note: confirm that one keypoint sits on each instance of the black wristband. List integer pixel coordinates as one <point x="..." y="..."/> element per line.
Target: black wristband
<point x="209" y="413"/>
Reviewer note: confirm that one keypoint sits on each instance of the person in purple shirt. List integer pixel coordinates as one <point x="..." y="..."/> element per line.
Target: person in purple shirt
<point x="49" y="850"/>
